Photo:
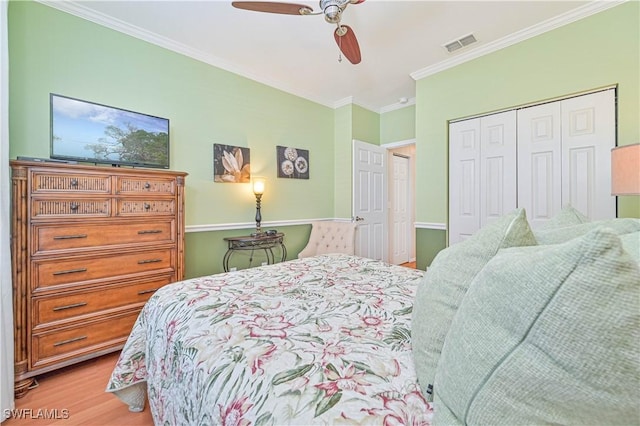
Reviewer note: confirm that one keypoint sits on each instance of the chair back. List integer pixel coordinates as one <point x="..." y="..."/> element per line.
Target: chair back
<point x="330" y="237"/>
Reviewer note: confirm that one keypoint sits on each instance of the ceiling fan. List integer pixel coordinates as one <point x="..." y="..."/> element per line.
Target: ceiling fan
<point x="332" y="10"/>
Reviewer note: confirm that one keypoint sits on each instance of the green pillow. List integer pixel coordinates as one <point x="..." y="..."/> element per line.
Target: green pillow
<point x="546" y="335"/>
<point x="445" y="284"/>
<point x="561" y="235"/>
<point x="566" y="217"/>
<point x="631" y="244"/>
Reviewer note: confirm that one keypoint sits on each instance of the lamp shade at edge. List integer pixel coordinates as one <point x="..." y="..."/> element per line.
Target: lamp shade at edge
<point x="625" y="170"/>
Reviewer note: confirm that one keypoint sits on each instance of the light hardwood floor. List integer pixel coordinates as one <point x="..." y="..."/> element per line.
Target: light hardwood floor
<point x="79" y="389"/>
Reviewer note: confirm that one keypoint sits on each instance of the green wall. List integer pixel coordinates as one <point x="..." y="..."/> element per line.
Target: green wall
<point x="398" y="125"/>
<point x="343" y="135"/>
<point x="597" y="51"/>
<point x="366" y="125"/>
<point x="54" y="52"/>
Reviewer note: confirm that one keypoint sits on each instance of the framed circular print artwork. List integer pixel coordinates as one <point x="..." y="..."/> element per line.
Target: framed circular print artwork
<point x="293" y="163"/>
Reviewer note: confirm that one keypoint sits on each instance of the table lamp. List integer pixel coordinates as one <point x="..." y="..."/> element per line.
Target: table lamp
<point x="625" y="170"/>
<point x="258" y="190"/>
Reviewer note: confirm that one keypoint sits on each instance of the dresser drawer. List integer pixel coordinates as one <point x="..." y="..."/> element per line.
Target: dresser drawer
<point x="53" y="237"/>
<point x="80" y="270"/>
<point x="95" y="207"/>
<point x="134" y="185"/>
<point x="47" y="310"/>
<point x="72" y="342"/>
<point x="127" y="207"/>
<point x="51" y="182"/>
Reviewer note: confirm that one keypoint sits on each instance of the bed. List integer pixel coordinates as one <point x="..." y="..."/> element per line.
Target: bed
<point x="320" y="340"/>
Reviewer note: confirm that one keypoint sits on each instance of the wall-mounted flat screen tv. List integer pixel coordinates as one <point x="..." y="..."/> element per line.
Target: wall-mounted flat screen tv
<point x="94" y="133"/>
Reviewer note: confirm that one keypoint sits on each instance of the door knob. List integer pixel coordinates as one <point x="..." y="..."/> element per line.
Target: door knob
<point x="359" y="219"/>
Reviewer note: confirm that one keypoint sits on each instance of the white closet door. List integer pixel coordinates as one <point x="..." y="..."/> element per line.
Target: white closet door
<point x="498" y="186"/>
<point x="539" y="162"/>
<point x="464" y="179"/>
<point x="588" y="134"/>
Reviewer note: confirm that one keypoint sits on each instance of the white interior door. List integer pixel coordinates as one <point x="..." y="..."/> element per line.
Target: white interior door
<point x="588" y="134"/>
<point x="464" y="179"/>
<point x="401" y="223"/>
<point x="498" y="188"/>
<point x="564" y="157"/>
<point x="539" y="162"/>
<point x="370" y="200"/>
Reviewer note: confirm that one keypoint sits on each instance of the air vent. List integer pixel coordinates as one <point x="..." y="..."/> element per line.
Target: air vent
<point x="460" y="43"/>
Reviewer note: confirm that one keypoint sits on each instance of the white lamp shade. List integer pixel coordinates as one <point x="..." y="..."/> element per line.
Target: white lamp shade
<point x="625" y="170"/>
<point x="258" y="185"/>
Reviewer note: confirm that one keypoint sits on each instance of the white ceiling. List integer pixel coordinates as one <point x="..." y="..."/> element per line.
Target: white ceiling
<point x="400" y="41"/>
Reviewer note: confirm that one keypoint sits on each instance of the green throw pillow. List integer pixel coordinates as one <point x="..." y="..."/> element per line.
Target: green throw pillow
<point x="546" y="335"/>
<point x="445" y="284"/>
<point x="566" y="217"/>
<point x="631" y="244"/>
<point x="562" y="235"/>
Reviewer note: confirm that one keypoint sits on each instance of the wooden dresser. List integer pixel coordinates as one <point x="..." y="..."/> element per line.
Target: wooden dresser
<point x="89" y="246"/>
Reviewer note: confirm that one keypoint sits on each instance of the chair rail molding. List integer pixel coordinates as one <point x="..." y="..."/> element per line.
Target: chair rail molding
<point x="247" y="225"/>
<point x="431" y="225"/>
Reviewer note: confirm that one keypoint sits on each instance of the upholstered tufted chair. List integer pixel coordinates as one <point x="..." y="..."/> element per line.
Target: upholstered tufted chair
<point x="330" y="237"/>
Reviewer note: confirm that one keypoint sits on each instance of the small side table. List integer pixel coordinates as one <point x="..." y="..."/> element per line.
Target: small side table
<point x="260" y="242"/>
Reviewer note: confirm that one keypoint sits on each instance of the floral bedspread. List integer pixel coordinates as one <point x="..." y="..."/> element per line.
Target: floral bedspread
<point x="322" y="340"/>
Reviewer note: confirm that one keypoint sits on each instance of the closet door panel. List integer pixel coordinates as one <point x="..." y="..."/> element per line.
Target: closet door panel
<point x="588" y="134"/>
<point x="539" y="162"/>
<point x="464" y="179"/>
<point x="497" y="166"/>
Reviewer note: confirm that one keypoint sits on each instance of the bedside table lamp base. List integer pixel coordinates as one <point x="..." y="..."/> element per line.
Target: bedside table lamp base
<point x="258" y="190"/>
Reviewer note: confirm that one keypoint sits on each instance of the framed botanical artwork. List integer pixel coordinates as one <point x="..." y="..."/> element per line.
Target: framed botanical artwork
<point x="293" y="163"/>
<point x="231" y="164"/>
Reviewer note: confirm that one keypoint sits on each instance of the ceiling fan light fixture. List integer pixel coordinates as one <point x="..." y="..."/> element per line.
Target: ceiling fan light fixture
<point x="332" y="14"/>
<point x="332" y="11"/>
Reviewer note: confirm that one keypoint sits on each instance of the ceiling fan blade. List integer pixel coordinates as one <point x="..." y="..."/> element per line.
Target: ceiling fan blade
<point x="273" y="7"/>
<point x="348" y="43"/>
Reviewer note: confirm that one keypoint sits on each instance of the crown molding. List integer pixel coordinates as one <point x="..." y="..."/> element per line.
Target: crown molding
<point x="343" y="102"/>
<point x="398" y="105"/>
<point x="350" y="101"/>
<point x="587" y="10"/>
<point x="399" y="144"/>
<point x="76" y="9"/>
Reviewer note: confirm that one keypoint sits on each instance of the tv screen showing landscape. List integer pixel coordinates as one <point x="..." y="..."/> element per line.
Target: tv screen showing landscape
<point x="94" y="133"/>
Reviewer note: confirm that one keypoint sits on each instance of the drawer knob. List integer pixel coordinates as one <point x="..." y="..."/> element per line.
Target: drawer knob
<point x="66" y="342"/>
<point x="147" y="206"/>
<point x="74" y="206"/>
<point x="74" y="183"/>
<point x="147" y="185"/>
